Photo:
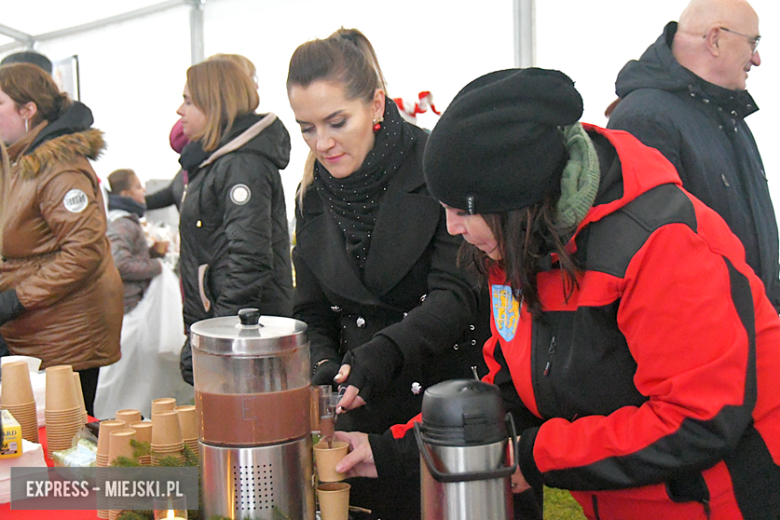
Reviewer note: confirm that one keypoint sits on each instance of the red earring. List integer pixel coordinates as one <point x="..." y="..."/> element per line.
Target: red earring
<point x="377" y="125"/>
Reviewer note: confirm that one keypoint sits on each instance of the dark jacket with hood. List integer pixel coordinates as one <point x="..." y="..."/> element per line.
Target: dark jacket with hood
<point x="56" y="256"/>
<point x="700" y="127"/>
<point x="235" y="246"/>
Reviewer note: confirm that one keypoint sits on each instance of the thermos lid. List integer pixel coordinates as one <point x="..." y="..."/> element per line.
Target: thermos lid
<point x="463" y="412"/>
<point x="248" y="334"/>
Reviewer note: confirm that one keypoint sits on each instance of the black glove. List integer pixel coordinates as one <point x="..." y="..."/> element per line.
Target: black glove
<point x="373" y="366"/>
<point x="185" y="362"/>
<point x="10" y="307"/>
<point x="324" y="372"/>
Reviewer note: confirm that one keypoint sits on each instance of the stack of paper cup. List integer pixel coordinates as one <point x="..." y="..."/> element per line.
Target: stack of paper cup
<point x="166" y="436"/>
<point x="119" y="445"/>
<point x="143" y="433"/>
<point x="64" y="415"/>
<point x="188" y="421"/>
<point x="104" y="439"/>
<point x="163" y="403"/>
<point x="80" y="393"/>
<point x="17" y="397"/>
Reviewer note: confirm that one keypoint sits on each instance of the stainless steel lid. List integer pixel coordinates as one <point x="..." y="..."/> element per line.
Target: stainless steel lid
<point x="248" y="334"/>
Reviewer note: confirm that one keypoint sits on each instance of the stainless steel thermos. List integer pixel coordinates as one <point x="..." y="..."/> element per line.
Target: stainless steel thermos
<point x="467" y="452"/>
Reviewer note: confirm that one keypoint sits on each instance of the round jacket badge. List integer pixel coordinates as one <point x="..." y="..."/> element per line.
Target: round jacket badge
<point x="240" y="194"/>
<point x="75" y="201"/>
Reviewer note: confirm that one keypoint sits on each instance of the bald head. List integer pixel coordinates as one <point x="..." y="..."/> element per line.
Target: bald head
<point x="700" y="15"/>
<point x="715" y="40"/>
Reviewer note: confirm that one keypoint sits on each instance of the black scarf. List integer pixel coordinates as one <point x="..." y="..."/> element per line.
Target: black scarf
<point x="354" y="201"/>
<point x="126" y="204"/>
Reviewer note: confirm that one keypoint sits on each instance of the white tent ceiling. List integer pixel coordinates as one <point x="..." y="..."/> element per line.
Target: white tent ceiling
<point x="40" y="20"/>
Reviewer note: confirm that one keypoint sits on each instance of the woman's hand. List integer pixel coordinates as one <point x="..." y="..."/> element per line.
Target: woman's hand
<point x="368" y="370"/>
<point x="359" y="462"/>
<point x="350" y="400"/>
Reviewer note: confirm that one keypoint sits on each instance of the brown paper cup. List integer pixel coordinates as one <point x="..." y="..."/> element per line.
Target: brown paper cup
<point x="129" y="416"/>
<point x="165" y="428"/>
<point x="162" y="404"/>
<point x="119" y="444"/>
<point x="334" y="500"/>
<point x="188" y="421"/>
<point x="143" y="431"/>
<point x="16" y="389"/>
<point x="60" y="390"/>
<point x="327" y="458"/>
<point x="80" y="394"/>
<point x="104" y="435"/>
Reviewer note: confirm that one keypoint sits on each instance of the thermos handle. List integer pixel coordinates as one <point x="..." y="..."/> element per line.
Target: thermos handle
<point x="506" y="471"/>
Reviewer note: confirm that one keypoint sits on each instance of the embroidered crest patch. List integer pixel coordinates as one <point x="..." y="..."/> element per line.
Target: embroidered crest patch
<point x="506" y="311"/>
<point x="75" y="201"/>
<point x="240" y="194"/>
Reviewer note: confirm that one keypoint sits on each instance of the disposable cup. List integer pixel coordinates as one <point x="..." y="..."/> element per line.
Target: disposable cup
<point x="165" y="428"/>
<point x="104" y="434"/>
<point x="143" y="431"/>
<point x="60" y="390"/>
<point x="163" y="403"/>
<point x="334" y="500"/>
<point x="188" y="421"/>
<point x="16" y="388"/>
<point x="119" y="444"/>
<point x="129" y="415"/>
<point x="80" y="394"/>
<point x="326" y="459"/>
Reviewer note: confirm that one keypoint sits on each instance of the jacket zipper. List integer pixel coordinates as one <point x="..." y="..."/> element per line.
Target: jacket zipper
<point x="550" y="354"/>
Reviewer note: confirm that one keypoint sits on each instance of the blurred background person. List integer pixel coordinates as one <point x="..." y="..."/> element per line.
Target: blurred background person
<point x="235" y="246"/>
<point x="132" y="254"/>
<point x="377" y="280"/>
<point x="60" y="293"/>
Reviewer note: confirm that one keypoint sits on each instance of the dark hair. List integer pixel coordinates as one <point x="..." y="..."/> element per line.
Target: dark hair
<point x="525" y="237"/>
<point x="25" y="83"/>
<point x="33" y="57"/>
<point x="345" y="57"/>
<point x="120" y="180"/>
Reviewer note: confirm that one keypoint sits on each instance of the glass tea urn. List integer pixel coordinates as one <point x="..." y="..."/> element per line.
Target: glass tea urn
<point x="252" y="378"/>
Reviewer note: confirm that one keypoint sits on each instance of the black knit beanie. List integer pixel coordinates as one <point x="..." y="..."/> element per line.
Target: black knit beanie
<point x="499" y="146"/>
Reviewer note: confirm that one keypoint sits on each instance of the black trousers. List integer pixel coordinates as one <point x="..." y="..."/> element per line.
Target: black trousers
<point x="89" y="382"/>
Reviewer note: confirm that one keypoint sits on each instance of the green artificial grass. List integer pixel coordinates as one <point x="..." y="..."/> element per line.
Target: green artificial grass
<point x="559" y="505"/>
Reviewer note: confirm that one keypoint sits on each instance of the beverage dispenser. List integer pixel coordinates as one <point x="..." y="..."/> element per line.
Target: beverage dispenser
<point x="252" y="376"/>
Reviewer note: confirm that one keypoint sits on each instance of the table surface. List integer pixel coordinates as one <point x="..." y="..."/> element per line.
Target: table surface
<point x="7" y="514"/>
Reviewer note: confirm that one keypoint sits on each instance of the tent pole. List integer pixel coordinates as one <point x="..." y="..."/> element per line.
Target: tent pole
<point x="196" y="31"/>
<point x="525" y="33"/>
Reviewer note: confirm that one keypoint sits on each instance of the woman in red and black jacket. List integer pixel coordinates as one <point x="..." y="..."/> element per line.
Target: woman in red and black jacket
<point x="634" y="344"/>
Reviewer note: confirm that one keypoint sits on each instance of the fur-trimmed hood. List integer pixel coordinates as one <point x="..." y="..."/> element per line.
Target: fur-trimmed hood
<point x="64" y="141"/>
<point x="65" y="149"/>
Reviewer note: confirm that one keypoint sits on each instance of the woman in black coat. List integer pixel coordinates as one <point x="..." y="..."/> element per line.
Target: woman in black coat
<point x="235" y="246"/>
<point x="389" y="312"/>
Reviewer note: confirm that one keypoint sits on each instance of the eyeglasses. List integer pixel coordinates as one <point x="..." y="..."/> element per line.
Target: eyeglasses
<point x="752" y="40"/>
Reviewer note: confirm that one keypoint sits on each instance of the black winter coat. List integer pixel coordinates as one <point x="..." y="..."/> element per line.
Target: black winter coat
<point x="414" y="295"/>
<point x="235" y="247"/>
<point x="700" y="128"/>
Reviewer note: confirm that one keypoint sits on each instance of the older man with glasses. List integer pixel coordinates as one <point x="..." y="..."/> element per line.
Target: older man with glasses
<point x="686" y="96"/>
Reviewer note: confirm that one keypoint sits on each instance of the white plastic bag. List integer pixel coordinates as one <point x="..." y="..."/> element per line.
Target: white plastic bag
<point x="152" y="337"/>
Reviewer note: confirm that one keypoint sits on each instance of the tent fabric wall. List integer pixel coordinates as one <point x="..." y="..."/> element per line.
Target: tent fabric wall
<point x="132" y="74"/>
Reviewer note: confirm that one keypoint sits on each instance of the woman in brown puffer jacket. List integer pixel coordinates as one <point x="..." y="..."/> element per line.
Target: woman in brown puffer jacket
<point x="60" y="293"/>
